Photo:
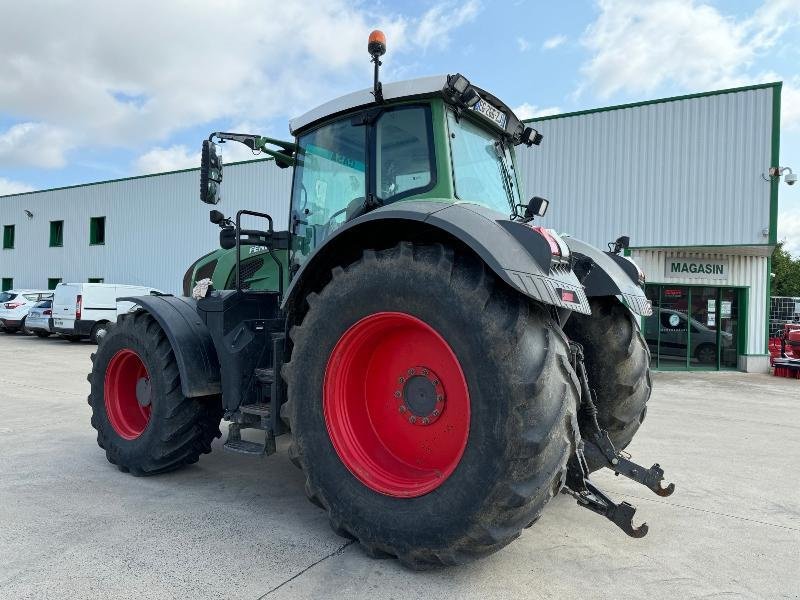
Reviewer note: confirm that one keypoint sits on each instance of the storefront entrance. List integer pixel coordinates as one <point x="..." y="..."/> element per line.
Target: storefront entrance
<point x="693" y="327"/>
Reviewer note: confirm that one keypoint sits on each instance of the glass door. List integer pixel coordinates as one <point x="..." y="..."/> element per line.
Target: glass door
<point x="729" y="327"/>
<point x="703" y="327"/>
<point x="673" y="327"/>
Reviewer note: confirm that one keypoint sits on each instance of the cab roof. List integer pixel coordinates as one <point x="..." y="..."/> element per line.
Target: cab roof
<point x="406" y="90"/>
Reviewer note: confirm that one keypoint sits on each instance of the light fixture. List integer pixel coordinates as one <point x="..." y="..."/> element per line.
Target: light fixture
<point x="790" y="178"/>
<point x="531" y="137"/>
<point x="28" y="214"/>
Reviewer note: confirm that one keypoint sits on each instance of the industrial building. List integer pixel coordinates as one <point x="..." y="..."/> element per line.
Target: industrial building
<point x="685" y="177"/>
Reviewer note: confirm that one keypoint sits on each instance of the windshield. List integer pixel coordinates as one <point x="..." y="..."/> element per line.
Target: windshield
<point x="483" y="170"/>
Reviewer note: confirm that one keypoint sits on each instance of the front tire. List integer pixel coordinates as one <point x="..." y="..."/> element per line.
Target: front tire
<point x="617" y="363"/>
<point x="143" y="421"/>
<point x="491" y="363"/>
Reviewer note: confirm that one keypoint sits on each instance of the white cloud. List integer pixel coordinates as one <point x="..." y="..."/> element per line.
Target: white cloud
<point x="34" y="145"/>
<point x="173" y="158"/>
<point x="523" y="44"/>
<point x="553" y="42"/>
<point x="790" y="104"/>
<point x="8" y="186"/>
<point x="638" y="46"/>
<point x="529" y="111"/>
<point x="789" y="231"/>
<point x="132" y="74"/>
<point x="438" y="22"/>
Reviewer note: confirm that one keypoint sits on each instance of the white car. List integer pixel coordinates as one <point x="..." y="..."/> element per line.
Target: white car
<point x="14" y="307"/>
<point x="87" y="310"/>
<point x="40" y="318"/>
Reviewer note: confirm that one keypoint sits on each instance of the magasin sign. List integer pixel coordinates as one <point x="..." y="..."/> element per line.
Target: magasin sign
<point x="682" y="268"/>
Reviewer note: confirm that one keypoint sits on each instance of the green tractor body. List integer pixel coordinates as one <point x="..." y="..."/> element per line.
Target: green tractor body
<point x="445" y="365"/>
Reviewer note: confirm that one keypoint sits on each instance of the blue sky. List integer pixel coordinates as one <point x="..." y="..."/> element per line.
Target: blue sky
<point x="130" y="88"/>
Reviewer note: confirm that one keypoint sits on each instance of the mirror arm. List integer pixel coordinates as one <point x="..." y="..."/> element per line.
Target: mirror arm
<point x="258" y="143"/>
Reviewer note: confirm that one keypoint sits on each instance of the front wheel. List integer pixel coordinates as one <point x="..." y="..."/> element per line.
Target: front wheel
<point x="432" y="408"/>
<point x="618" y="366"/>
<point x="143" y="421"/>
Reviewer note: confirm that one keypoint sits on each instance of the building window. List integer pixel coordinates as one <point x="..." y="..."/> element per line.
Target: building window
<point x="8" y="237"/>
<point x="56" y="233"/>
<point x="52" y="282"/>
<point x="96" y="280"/>
<point x="8" y="283"/>
<point x="97" y="231"/>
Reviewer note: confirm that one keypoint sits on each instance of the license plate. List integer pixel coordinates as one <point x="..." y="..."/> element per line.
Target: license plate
<point x="490" y="112"/>
<point x="58" y="322"/>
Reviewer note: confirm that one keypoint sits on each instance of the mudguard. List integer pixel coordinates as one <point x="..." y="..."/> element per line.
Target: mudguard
<point x="518" y="255"/>
<point x="608" y="274"/>
<point x="190" y="340"/>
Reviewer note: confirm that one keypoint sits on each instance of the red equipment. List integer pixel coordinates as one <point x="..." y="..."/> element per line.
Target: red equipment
<point x="787" y="363"/>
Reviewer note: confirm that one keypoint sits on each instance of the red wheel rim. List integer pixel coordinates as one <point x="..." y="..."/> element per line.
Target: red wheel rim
<point x="127" y="394"/>
<point x="396" y="404"/>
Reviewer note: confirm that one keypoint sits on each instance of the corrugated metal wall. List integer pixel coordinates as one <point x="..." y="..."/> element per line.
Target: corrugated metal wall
<point x="679" y="173"/>
<point x="744" y="271"/>
<point x="155" y="226"/>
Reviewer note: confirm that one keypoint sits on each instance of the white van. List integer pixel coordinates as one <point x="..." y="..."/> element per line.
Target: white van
<point x="82" y="310"/>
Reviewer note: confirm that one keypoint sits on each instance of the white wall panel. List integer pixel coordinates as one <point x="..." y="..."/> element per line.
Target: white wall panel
<point x="155" y="226"/>
<point x="676" y="173"/>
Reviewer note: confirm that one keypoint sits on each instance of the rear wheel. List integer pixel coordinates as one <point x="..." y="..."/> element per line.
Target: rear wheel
<point x="143" y="421"/>
<point x="432" y="409"/>
<point x="618" y="366"/>
<point x="10" y="330"/>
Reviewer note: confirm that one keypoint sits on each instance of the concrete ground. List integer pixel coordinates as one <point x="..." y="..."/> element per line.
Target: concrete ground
<point x="73" y="526"/>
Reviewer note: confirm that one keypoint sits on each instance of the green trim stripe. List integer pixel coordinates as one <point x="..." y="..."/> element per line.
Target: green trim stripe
<point x="775" y="151"/>
<point x="747" y="88"/>
<point x="80" y="185"/>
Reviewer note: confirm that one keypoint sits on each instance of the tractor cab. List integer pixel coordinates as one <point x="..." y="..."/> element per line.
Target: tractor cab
<point x="433" y="139"/>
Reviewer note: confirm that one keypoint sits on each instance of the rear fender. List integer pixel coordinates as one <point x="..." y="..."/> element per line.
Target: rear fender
<point x="608" y="274"/>
<point x="190" y="340"/>
<point x="513" y="251"/>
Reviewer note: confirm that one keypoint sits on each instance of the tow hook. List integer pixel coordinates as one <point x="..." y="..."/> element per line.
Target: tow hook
<point x="599" y="448"/>
<point x="619" y="514"/>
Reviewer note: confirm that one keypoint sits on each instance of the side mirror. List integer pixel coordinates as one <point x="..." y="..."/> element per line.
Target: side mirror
<point x="227" y="238"/>
<point x="210" y="173"/>
<point x="537" y="207"/>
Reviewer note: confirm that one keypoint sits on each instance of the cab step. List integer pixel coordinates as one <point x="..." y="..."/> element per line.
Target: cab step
<point x="259" y="409"/>
<point x="236" y="444"/>
<point x="245" y="447"/>
<point x="265" y="376"/>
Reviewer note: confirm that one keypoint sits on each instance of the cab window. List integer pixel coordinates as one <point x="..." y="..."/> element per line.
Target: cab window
<point x="329" y="182"/>
<point x="404" y="153"/>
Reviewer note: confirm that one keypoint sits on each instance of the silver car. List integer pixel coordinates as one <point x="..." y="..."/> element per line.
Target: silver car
<point x="40" y="318"/>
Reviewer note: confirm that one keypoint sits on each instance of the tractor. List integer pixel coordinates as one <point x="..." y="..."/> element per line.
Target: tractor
<point x="444" y="365"/>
